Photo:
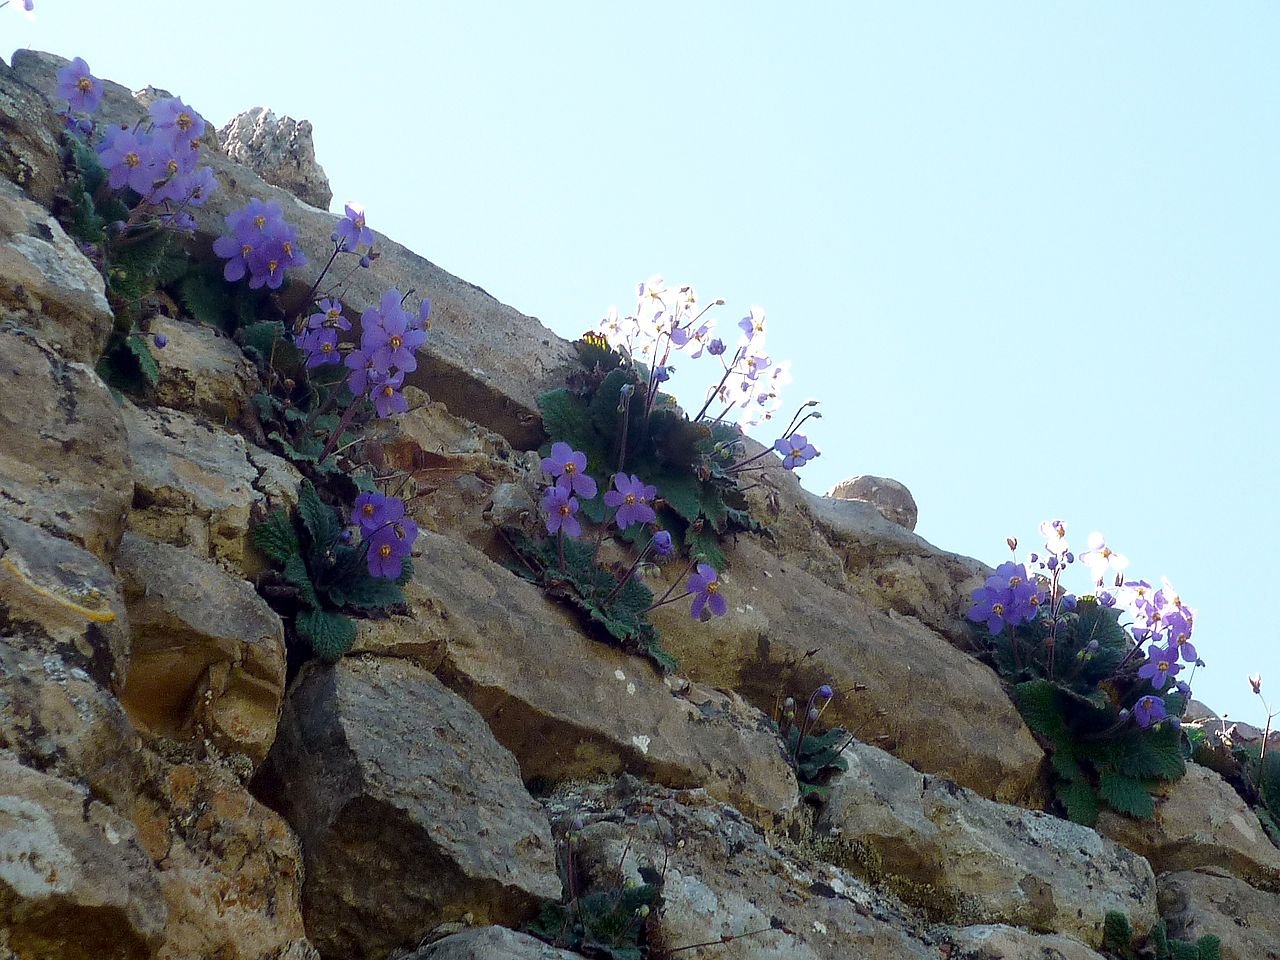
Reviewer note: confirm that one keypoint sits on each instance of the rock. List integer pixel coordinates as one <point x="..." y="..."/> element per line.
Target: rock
<point x="208" y="653"/>
<point x="46" y="284"/>
<point x="898" y="684"/>
<point x="965" y="859"/>
<point x="894" y="569"/>
<point x="486" y="358"/>
<point x="721" y="878"/>
<point x="410" y="813"/>
<point x="1196" y="903"/>
<point x="29" y="130"/>
<point x="64" y="463"/>
<point x="57" y="598"/>
<point x="230" y="869"/>
<point x="569" y="706"/>
<point x="999" y="942"/>
<point x="892" y="500"/>
<point x="201" y="371"/>
<point x="73" y="881"/>
<point x="280" y="150"/>
<point x="1200" y="821"/>
<point x="194" y="486"/>
<point x="490" y="943"/>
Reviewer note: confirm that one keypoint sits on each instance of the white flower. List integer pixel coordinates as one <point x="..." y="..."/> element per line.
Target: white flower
<point x="1100" y="558"/>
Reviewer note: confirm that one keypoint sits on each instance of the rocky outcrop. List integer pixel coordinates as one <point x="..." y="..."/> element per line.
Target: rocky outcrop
<point x="892" y="500"/>
<point x="490" y="943"/>
<point x="1196" y="903"/>
<point x="965" y="859"/>
<point x="208" y="653"/>
<point x="410" y="813"/>
<point x="280" y="150"/>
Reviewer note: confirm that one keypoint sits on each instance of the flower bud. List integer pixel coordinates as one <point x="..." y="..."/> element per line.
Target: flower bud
<point x="1012" y="542"/>
<point x="642" y="911"/>
<point x="813" y="715"/>
<point x="333" y="237"/>
<point x="162" y="341"/>
<point x="1124" y="714"/>
<point x="789" y="703"/>
<point x="825" y="691"/>
<point x="365" y="261"/>
<point x="1255" y="681"/>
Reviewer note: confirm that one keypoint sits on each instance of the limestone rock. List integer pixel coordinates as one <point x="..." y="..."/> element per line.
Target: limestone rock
<point x="966" y="859"/>
<point x="64" y="462"/>
<point x="410" y="813"/>
<point x="29" y="152"/>
<point x="722" y="878"/>
<point x="194" y="486"/>
<point x="280" y="150"/>
<point x="201" y="371"/>
<point x="46" y="284"/>
<point x="489" y="359"/>
<point x="230" y="869"/>
<point x="898" y="684"/>
<point x="894" y="569"/>
<point x="570" y="706"/>
<point x="1199" y="902"/>
<point x="892" y="500"/>
<point x="73" y="881"/>
<point x="208" y="653"/>
<point x="1200" y="821"/>
<point x="56" y="597"/>
<point x="1000" y="942"/>
<point x="490" y="943"/>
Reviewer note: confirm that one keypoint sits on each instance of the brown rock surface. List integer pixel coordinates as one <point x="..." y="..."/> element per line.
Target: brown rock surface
<point x="569" y="706"/>
<point x="29" y="152"/>
<point x="490" y="943"/>
<point x="280" y="150"/>
<point x="1000" y="942"/>
<point x="64" y="463"/>
<point x="410" y="813"/>
<point x="898" y="684"/>
<point x="201" y="371"/>
<point x="486" y="358"/>
<point x="46" y="284"/>
<point x="74" y="882"/>
<point x="1195" y="903"/>
<point x="965" y="859"/>
<point x="892" y="500"/>
<point x="208" y="653"/>
<point x="58" y="598"/>
<point x="1200" y="821"/>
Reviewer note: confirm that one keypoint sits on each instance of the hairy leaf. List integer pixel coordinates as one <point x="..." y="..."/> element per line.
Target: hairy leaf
<point x="319" y="518"/>
<point x="1117" y="934"/>
<point x="374" y="593"/>
<point x="295" y="571"/>
<point x="1126" y="795"/>
<point x="330" y="634"/>
<point x="276" y="538"/>
<point x="146" y="362"/>
<point x="1080" y="801"/>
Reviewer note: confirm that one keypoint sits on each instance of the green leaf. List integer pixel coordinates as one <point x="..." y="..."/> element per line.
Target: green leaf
<point x="1066" y="765"/>
<point x="680" y="491"/>
<point x="1210" y="947"/>
<point x="295" y="571"/>
<point x="207" y="298"/>
<point x="704" y="547"/>
<point x="319" y="518"/>
<point x="276" y="537"/>
<point x="1155" y="753"/>
<point x="374" y="593"/>
<point x="604" y="404"/>
<point x="147" y="365"/>
<point x="330" y="634"/>
<point x="1041" y="707"/>
<point x="1269" y="782"/>
<point x="1116" y="932"/>
<point x="1080" y="801"/>
<point x="1126" y="795"/>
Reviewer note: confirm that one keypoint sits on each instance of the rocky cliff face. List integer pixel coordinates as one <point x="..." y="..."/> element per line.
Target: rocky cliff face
<point x="170" y="787"/>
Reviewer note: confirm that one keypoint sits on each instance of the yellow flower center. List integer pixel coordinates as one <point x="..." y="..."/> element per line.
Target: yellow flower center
<point x="395" y="342"/>
<point x="384" y="551"/>
<point x="288" y="248"/>
<point x="132" y="159"/>
<point x="630" y="500"/>
<point x="388" y="390"/>
<point x="359" y="222"/>
<point x="565" y="510"/>
<point x="1163" y="666"/>
<point x="713" y="586"/>
<point x="172" y="167"/>
<point x="326" y="347"/>
<point x="367" y="509"/>
<point x="185" y="121"/>
<point x="273" y="266"/>
<point x="998" y="609"/>
<point x="84" y="84"/>
<point x="245" y="250"/>
<point x="570" y="468"/>
<point x="333" y="313"/>
<point x="259" y="221"/>
<point x="1013" y="581"/>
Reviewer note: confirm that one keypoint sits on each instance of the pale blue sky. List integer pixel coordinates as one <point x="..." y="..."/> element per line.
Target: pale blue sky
<point x="1025" y="254"/>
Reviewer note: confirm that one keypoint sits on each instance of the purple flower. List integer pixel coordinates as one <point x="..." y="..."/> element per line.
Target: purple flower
<point x="358" y="362"/>
<point x="389" y="335"/>
<point x="162" y="341"/>
<point x="172" y="114"/>
<point x="1149" y="710"/>
<point x="631" y="497"/>
<point x="260" y="243"/>
<point x="374" y="510"/>
<point x="705" y="586"/>
<point x="569" y="466"/>
<point x="561" y="507"/>
<point x="127" y="159"/>
<point x="320" y="346"/>
<point x="351" y="231"/>
<point x="825" y="691"/>
<point x="424" y="314"/>
<point x="716" y="347"/>
<point x="795" y="450"/>
<point x="1160" y="668"/>
<point x="662" y="544"/>
<point x="328" y="314"/>
<point x="1009" y="596"/>
<point x="82" y="90"/>
<point x="386" y="395"/>
<point x="661" y="374"/>
<point x="389" y="546"/>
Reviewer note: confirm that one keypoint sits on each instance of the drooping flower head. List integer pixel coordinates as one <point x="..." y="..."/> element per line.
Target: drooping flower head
<point x="705" y="587"/>
<point x="81" y="89"/>
<point x="662" y="544"/>
<point x="1149" y="710"/>
<point x="631" y="496"/>
<point x="569" y="467"/>
<point x="351" y="231"/>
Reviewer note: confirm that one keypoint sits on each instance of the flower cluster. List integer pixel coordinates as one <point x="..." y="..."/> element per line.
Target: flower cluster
<point x="672" y="319"/>
<point x="1012" y="595"/>
<point x="1163" y="621"/>
<point x="260" y="244"/>
<point x="386" y="533"/>
<point x="389" y="339"/>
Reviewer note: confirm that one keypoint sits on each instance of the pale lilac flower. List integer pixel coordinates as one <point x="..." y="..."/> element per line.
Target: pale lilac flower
<point x="351" y="231"/>
<point x="389" y="546"/>
<point x="81" y="89"/>
<point x="631" y="496"/>
<point x="1149" y="710"/>
<point x="561" y="509"/>
<point x="569" y="467"/>
<point x="705" y="587"/>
